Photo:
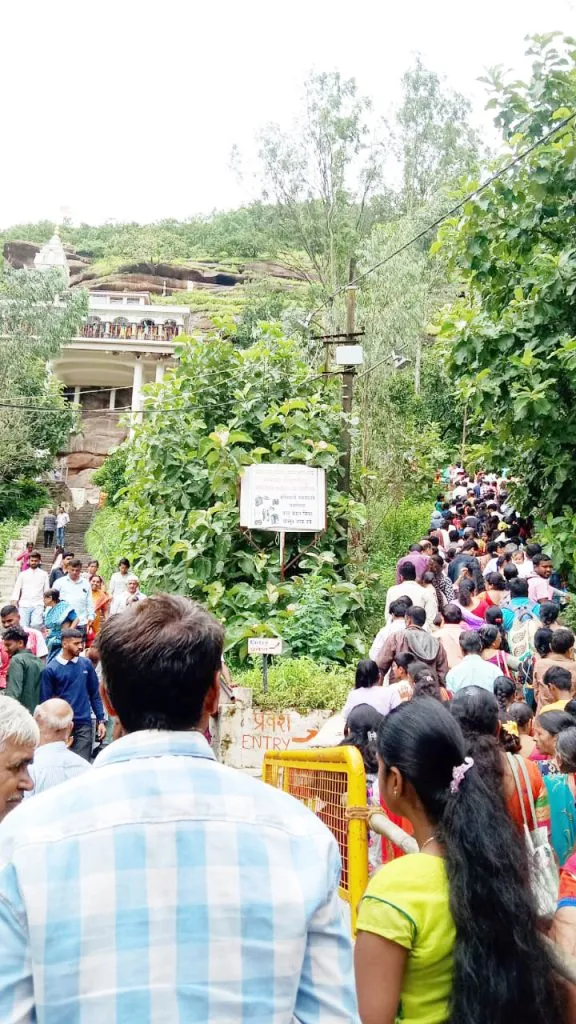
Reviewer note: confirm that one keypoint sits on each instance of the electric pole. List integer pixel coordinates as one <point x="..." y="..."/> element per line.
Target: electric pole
<point x="348" y="388"/>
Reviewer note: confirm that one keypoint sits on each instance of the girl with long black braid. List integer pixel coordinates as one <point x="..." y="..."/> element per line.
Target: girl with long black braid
<point x="449" y="935"/>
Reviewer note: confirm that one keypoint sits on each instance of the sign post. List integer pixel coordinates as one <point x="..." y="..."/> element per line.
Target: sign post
<point x="265" y="645"/>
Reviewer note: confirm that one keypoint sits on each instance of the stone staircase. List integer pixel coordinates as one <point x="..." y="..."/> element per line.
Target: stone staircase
<point x="80" y="520"/>
<point x="10" y="569"/>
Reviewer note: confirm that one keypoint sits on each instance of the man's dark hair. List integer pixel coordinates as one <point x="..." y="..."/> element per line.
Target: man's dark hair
<point x="416" y="615"/>
<point x="415" y="547"/>
<point x="562" y="640"/>
<point x="540" y="557"/>
<point x="470" y="642"/>
<point x="159" y="662"/>
<point x="407" y="571"/>
<point x="452" y="615"/>
<point x="398" y="607"/>
<point x="8" y="609"/>
<point x="518" y="586"/>
<point x="67" y="554"/>
<point x="453" y="536"/>
<point x="496" y="581"/>
<point x="533" y="549"/>
<point x="72" y="634"/>
<point x="493" y="546"/>
<point x="124" y="561"/>
<point x="76" y="563"/>
<point x="16" y="633"/>
<point x="434" y="542"/>
<point x="470" y="545"/>
<point x="35" y="554"/>
<point x="558" y="677"/>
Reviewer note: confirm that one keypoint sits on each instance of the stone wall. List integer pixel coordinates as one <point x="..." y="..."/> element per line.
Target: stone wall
<point x="88" y="449"/>
<point x="242" y="734"/>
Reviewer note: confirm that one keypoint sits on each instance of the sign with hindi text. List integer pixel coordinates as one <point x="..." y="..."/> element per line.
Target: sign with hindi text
<point x="283" y="497"/>
<point x="264" y="645"/>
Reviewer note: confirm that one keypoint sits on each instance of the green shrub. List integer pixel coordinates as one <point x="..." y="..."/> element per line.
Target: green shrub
<point x="111" y="475"/>
<point x="103" y="540"/>
<point x="393" y="528"/>
<point x="20" y="500"/>
<point x="298" y="683"/>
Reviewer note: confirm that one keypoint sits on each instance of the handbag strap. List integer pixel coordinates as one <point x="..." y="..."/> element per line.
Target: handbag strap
<point x="524" y="771"/>
<point x="514" y="769"/>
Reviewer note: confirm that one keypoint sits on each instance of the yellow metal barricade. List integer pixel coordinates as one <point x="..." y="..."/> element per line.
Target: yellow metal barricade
<point x="328" y="780"/>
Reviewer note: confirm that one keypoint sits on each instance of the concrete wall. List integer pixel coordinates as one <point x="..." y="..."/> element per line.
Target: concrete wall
<point x="242" y="734"/>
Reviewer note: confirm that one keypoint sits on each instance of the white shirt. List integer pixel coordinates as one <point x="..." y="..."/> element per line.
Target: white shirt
<point x="53" y="764"/>
<point x="118" y="583"/>
<point x="30" y="588"/>
<point x="125" y="600"/>
<point x="382" y="698"/>
<point x="39" y="649"/>
<point x="62" y="519"/>
<point x="423" y="597"/>
<point x="492" y="566"/>
<point x="382" y="636"/>
<point x="472" y="671"/>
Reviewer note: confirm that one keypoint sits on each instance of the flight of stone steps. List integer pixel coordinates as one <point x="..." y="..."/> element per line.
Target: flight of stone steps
<point x="80" y="520"/>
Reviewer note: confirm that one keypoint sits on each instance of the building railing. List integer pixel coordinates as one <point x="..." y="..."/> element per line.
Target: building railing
<point x="133" y="332"/>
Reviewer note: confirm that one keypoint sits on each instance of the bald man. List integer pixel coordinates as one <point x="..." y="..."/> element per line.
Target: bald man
<point x="53" y="761"/>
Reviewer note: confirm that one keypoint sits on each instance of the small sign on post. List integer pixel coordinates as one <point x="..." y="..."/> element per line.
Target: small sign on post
<point x="265" y="645"/>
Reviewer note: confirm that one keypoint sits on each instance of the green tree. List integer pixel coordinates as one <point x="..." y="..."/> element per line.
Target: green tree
<point x="511" y="336"/>
<point x="324" y="177"/>
<point x="37" y="316"/>
<point x="434" y="139"/>
<point x="223" y="408"/>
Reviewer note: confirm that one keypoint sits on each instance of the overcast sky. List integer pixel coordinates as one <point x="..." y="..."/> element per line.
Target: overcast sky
<point x="128" y="110"/>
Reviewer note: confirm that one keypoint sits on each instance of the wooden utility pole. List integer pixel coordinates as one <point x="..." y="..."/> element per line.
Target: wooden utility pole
<point x="418" y="365"/>
<point x="348" y="388"/>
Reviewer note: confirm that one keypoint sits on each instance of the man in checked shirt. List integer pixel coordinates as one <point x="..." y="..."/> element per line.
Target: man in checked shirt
<point x="163" y="887"/>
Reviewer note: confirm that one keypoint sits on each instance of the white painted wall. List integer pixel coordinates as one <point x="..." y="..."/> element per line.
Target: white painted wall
<point x="243" y="734"/>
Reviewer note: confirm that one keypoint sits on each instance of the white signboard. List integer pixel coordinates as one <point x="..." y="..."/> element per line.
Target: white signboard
<point x="265" y="645"/>
<point x="283" y="496"/>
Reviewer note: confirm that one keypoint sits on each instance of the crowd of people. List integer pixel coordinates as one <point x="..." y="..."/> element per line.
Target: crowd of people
<point x="156" y="884"/>
<point x="56" y="617"/>
<point x="465" y="716"/>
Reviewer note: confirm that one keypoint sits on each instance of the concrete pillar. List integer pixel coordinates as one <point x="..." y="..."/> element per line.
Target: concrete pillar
<point x="112" y="403"/>
<point x="77" y="394"/>
<point x="137" y="382"/>
<point x="160" y="369"/>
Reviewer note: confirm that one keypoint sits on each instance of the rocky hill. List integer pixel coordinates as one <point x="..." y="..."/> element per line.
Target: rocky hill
<point x="210" y="287"/>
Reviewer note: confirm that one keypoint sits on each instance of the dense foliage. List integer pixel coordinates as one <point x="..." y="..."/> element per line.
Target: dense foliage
<point x="221" y="409"/>
<point x="511" y="336"/>
<point x="298" y="683"/>
<point x="37" y="317"/>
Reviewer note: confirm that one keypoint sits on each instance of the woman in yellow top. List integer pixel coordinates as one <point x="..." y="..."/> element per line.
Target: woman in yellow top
<point x="449" y="934"/>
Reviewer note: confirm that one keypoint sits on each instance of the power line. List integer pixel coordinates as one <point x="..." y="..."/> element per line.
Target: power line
<point x="430" y="227"/>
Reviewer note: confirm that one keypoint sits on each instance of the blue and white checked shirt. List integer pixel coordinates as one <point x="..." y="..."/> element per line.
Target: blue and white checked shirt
<point x="165" y="888"/>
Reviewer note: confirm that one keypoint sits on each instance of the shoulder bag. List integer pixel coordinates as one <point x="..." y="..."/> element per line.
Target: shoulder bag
<point x="544" y="876"/>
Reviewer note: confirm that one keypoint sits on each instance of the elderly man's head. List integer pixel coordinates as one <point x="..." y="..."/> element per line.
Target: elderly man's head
<point x="19" y="737"/>
<point x="133" y="584"/>
<point x="55" y="719"/>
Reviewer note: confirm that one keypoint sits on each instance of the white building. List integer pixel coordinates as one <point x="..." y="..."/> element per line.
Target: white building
<point x="126" y="342"/>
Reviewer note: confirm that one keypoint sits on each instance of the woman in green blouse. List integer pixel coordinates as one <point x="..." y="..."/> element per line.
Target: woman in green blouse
<point x="449" y="934"/>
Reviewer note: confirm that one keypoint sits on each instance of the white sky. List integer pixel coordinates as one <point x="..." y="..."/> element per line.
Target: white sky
<point x="129" y="110"/>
